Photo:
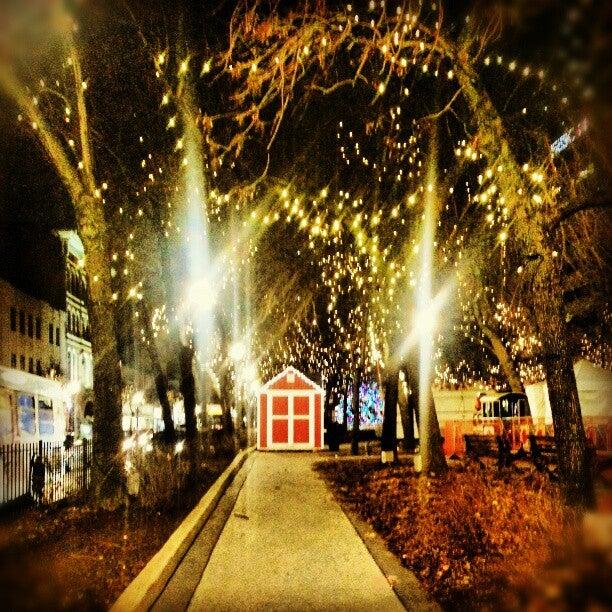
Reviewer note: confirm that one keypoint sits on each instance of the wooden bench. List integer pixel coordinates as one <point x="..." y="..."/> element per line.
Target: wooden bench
<point x="477" y="446"/>
<point x="543" y="452"/>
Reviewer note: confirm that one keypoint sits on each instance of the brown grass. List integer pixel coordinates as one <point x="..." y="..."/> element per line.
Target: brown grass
<point x="76" y="558"/>
<point x="475" y="538"/>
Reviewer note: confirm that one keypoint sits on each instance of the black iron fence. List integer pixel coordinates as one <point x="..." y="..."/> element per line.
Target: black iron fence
<point x="46" y="472"/>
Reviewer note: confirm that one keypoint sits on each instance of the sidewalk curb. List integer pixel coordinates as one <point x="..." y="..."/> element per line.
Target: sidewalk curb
<point x="144" y="590"/>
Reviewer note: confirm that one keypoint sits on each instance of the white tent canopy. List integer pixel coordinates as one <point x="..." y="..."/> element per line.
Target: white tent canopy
<point x="594" y="391"/>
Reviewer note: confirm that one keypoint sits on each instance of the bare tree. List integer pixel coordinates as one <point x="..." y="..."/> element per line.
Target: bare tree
<point x="71" y="154"/>
<point x="282" y="60"/>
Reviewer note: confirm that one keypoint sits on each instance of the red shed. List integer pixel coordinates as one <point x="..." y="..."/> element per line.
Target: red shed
<point x="290" y="413"/>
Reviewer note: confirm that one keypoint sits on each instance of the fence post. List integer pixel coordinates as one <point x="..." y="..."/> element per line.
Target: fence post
<point x="86" y="464"/>
<point x="83" y="466"/>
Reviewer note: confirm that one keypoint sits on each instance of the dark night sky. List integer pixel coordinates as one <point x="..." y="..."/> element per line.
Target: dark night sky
<point x="33" y="202"/>
<point x="31" y="194"/>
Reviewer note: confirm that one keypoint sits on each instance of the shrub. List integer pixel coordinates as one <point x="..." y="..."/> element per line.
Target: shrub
<point x="162" y="476"/>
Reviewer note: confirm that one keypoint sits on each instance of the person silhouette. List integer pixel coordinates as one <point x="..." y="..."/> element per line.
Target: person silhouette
<point x="38" y="478"/>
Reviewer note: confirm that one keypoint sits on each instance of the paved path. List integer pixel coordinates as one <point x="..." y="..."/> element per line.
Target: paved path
<point x="287" y="545"/>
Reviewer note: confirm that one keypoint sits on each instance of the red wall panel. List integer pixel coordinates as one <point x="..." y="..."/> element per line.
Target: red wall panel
<point x="301" y="405"/>
<point x="263" y="421"/>
<point x="297" y="383"/>
<point x="280" y="431"/>
<point x="280" y="405"/>
<point x="301" y="431"/>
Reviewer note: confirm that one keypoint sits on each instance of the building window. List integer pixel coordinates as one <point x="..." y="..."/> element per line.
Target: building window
<point x="50" y="333"/>
<point x="39" y="369"/>
<point x="26" y="414"/>
<point x="13" y="360"/>
<point x="38" y="328"/>
<point x="21" y="322"/>
<point x="57" y="336"/>
<point x="30" y="326"/>
<point x="31" y="365"/>
<point x="13" y="318"/>
<point x="22" y="362"/>
<point x="45" y="417"/>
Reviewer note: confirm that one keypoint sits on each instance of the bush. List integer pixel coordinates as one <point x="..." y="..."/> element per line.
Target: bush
<point x="161" y="477"/>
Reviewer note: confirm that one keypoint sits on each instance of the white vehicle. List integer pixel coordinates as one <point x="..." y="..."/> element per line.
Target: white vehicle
<point x="32" y="408"/>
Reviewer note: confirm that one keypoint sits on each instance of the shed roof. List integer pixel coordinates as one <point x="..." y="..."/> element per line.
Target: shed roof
<point x="301" y="381"/>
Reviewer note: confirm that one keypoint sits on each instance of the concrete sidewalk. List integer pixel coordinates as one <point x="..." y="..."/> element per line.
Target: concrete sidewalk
<point x="287" y="545"/>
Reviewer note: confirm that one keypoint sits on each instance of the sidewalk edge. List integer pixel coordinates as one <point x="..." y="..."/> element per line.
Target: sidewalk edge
<point x="144" y="590"/>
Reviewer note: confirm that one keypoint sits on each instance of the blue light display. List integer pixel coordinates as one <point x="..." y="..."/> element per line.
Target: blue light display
<point x="371" y="406"/>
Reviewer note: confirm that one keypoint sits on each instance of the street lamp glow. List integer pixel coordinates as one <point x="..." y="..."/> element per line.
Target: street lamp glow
<point x="200" y="296"/>
<point x="426" y="319"/>
<point x="237" y="351"/>
<point x="250" y="372"/>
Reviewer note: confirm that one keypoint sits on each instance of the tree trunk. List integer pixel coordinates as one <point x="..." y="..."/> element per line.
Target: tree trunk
<point x="356" y="411"/>
<point x="389" y="430"/>
<point x="227" y="395"/>
<point x="161" y="379"/>
<point x="241" y="430"/>
<point x="430" y="439"/>
<point x="345" y="408"/>
<point x="505" y="361"/>
<point x="161" y="386"/>
<point x="328" y="416"/>
<point x="573" y="456"/>
<point x="549" y="310"/>
<point x="412" y="414"/>
<point x="189" y="399"/>
<point x="407" y="416"/>
<point x="107" y="464"/>
<point x="432" y="452"/>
